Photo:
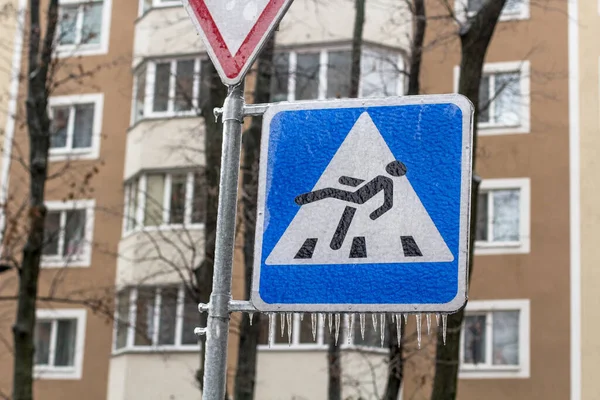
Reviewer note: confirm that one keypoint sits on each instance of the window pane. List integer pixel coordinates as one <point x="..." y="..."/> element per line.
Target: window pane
<point x="184" y="85"/>
<point x="51" y="231"/>
<point x="65" y="342"/>
<point x="379" y="74"/>
<point x="205" y="82"/>
<point x="506" y="338"/>
<point x="59" y="127"/>
<point x="74" y="233"/>
<point x="84" y="126"/>
<point x="338" y="74"/>
<point x="512" y="6"/>
<point x="177" y="206"/>
<point x="146" y="6"/>
<point x="161" y="86"/>
<point x="281" y="73"/>
<point x="507" y="104"/>
<point x="307" y="76"/>
<point x="372" y="338"/>
<point x="132" y="205"/>
<point x="506" y="215"/>
<point x="123" y="319"/>
<point x="144" y="317"/>
<point x="191" y="321"/>
<point x="199" y="199"/>
<point x="474" y="5"/>
<point x="481" y="232"/>
<point x="484" y="100"/>
<point x="155" y="190"/>
<point x="140" y="93"/>
<point x="168" y="316"/>
<point x="92" y="23"/>
<point x="67" y="24"/>
<point x="306" y="335"/>
<point x="43" y="331"/>
<point x="474" y="343"/>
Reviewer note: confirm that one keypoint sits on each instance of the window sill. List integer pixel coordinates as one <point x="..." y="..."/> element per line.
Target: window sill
<point x="66" y="373"/>
<point x="156" y="349"/>
<point x="73" y="155"/>
<point x="492" y="372"/>
<point x="162" y="117"/>
<point x="83" y="262"/>
<point x="163" y="228"/>
<point x="490" y="130"/>
<point x="482" y="248"/>
<point x="81" y="50"/>
<point x="282" y="347"/>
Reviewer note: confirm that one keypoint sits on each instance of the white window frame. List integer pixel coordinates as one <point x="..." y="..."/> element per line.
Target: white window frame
<point x="149" y="113"/>
<point x="523" y="245"/>
<point x="323" y="65"/>
<point x="140" y="211"/>
<point x="85" y="259"/>
<point x="157" y="4"/>
<point x="460" y="7"/>
<point x="71" y="50"/>
<point x="67" y="373"/>
<point x="130" y="347"/>
<point x="319" y="344"/>
<point x="68" y="153"/>
<point x="522" y="67"/>
<point x="488" y="371"/>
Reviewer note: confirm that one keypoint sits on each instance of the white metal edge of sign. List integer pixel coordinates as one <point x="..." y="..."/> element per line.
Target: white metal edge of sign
<point x="454" y="305"/>
<point x="251" y="57"/>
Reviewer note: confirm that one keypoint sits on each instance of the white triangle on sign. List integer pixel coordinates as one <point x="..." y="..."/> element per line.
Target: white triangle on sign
<point x="235" y="19"/>
<point x="403" y="234"/>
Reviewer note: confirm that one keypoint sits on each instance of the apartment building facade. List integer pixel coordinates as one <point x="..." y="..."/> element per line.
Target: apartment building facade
<point x="137" y="234"/>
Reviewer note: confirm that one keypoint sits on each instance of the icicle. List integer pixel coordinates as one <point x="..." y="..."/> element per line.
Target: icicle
<point x="289" y="326"/>
<point x="351" y="329"/>
<point x="271" y="327"/>
<point x="445" y="326"/>
<point x="405" y="319"/>
<point x="361" y="317"/>
<point x="301" y="316"/>
<point x="393" y="317"/>
<point x="251" y="317"/>
<point x="428" y="324"/>
<point x="282" y="319"/>
<point x="337" y="328"/>
<point x="313" y="323"/>
<point x="437" y="319"/>
<point x="374" y="318"/>
<point x="418" y="329"/>
<point x="321" y="321"/>
<point x="382" y="328"/>
<point x="399" y="328"/>
<point x="329" y="318"/>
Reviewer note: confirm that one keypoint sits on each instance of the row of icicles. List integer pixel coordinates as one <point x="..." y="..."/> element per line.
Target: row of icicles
<point x="334" y="321"/>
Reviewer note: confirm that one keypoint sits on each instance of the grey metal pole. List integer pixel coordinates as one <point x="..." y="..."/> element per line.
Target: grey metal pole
<point x="217" y="332"/>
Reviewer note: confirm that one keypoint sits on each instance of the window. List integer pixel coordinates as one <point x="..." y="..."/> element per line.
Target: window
<point x="513" y="9"/>
<point x="76" y="126"/>
<point x="503" y="98"/>
<point x="59" y="343"/>
<point x="165" y="199"/>
<point x="167" y="88"/>
<point x="302" y="334"/>
<point x="151" y="316"/>
<point x="68" y="234"/>
<point x="308" y="75"/>
<point x="83" y="27"/>
<point x="146" y="5"/>
<point x="503" y="217"/>
<point x="495" y="339"/>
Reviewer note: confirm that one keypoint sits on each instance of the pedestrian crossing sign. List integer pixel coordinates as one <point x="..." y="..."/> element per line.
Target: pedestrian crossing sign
<point x="363" y="205"/>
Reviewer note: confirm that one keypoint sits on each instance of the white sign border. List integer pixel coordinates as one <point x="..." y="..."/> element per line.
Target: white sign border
<point x="452" y="306"/>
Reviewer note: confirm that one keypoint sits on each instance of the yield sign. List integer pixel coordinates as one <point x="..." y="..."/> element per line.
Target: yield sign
<point x="234" y="31"/>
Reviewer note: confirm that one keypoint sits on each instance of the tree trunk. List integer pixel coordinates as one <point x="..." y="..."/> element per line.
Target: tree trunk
<point x="38" y="125"/>
<point x="245" y="377"/>
<point x="395" y="361"/>
<point x="213" y="138"/>
<point x="475" y="38"/>
<point x="334" y="386"/>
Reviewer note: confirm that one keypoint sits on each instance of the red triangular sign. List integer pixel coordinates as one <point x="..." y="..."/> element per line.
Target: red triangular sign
<point x="234" y="31"/>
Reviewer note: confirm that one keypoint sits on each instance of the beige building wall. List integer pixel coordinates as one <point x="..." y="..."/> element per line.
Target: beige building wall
<point x="589" y="127"/>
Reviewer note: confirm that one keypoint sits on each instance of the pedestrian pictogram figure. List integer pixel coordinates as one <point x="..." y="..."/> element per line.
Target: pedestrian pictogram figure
<point x="359" y="196"/>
